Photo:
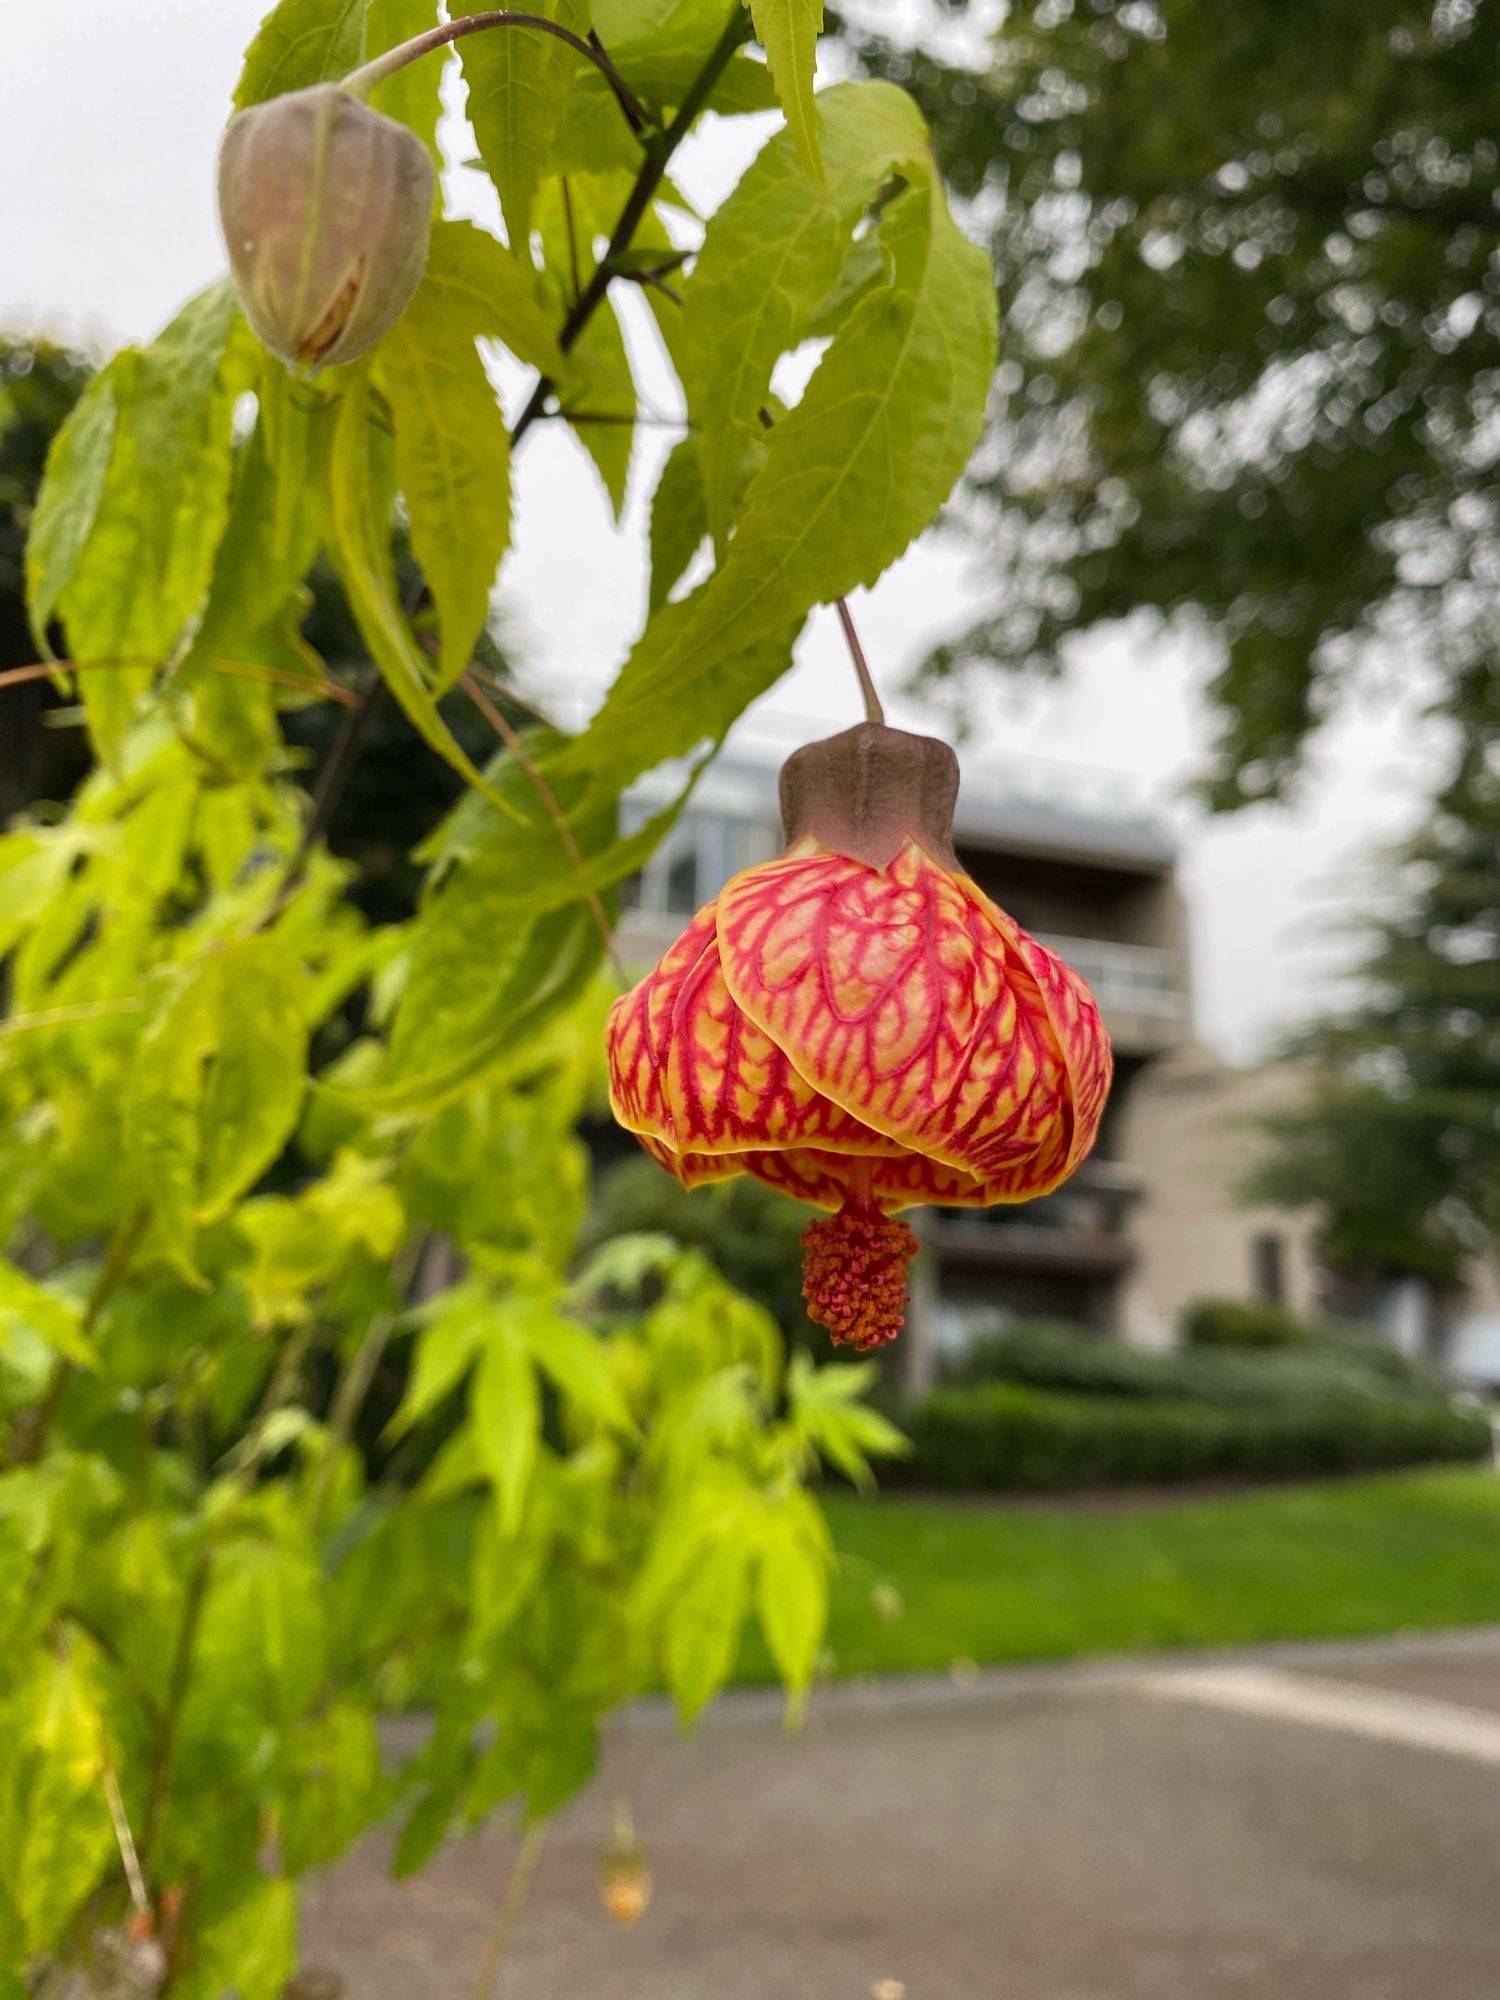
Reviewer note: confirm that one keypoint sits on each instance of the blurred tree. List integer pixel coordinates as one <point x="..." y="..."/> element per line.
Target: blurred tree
<point x="1248" y="265"/>
<point x="1399" y="1144"/>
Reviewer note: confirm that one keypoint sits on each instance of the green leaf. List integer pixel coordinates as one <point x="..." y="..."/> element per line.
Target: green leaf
<point x="338" y="1787"/>
<point x="855" y="472"/>
<point x="411" y="95"/>
<point x="788" y="31"/>
<point x="302" y="42"/>
<point x="28" y="1308"/>
<point x="506" y="1415"/>
<point x="679" y="520"/>
<point x="56" y="1836"/>
<point x="771" y="256"/>
<point x="518" y="82"/>
<point x="260" y="1653"/>
<point x="125" y="554"/>
<point x="362" y="554"/>
<point x="217" y="1086"/>
<point x="452" y="447"/>
<point x="791" y="1595"/>
<point x="451" y="1336"/>
<point x="704" y="1622"/>
<point x="246" y="1942"/>
<point x="599" y="401"/>
<point x="576" y="1363"/>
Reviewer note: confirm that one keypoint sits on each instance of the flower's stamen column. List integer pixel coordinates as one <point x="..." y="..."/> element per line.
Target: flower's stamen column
<point x="854" y="1267"/>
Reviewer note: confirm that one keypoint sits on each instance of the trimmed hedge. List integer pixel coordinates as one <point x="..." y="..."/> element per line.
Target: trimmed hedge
<point x="1243" y="1323"/>
<point x="1006" y="1438"/>
<point x="1045" y="1354"/>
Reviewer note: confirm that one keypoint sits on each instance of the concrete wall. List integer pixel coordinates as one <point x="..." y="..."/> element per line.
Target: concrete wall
<point x="1188" y="1130"/>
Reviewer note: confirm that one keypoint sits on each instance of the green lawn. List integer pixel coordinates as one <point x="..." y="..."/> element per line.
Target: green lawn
<point x="923" y="1583"/>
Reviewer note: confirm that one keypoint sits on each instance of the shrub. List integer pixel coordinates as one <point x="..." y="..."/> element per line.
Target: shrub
<point x="1006" y="1438"/>
<point x="1046" y="1354"/>
<point x="1243" y="1323"/>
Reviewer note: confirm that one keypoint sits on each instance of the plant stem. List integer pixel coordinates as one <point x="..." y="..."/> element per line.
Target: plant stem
<point x="658" y="157"/>
<point x="177" y="1687"/>
<point x="874" y="712"/>
<point x="514" y="743"/>
<point x="363" y="80"/>
<point x="510" y="1910"/>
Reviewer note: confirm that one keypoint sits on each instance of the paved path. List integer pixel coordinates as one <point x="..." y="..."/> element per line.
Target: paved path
<point x="1304" y="1824"/>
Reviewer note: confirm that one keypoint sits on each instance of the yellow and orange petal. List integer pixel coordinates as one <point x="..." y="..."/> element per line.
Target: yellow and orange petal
<point x="906" y="998"/>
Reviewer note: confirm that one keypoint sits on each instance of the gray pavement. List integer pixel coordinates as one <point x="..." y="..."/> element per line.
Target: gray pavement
<point x="1106" y="1833"/>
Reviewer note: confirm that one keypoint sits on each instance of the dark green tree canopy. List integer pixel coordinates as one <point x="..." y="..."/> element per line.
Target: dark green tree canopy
<point x="1399" y="1145"/>
<point x="1248" y="268"/>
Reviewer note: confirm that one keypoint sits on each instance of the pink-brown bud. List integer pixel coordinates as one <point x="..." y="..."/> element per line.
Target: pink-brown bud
<point x="326" y="208"/>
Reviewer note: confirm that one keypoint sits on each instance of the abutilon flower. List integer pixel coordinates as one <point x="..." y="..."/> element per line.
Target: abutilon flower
<point x="858" y="1025"/>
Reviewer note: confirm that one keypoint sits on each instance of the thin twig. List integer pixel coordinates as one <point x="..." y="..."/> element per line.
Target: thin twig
<point x="515" y="744"/>
<point x="649" y="178"/>
<point x="83" y="1010"/>
<point x="177" y="1687"/>
<point x="874" y="712"/>
<point x="359" y="1373"/>
<point x="364" y="79"/>
<point x="511" y="1905"/>
<point x="247" y="670"/>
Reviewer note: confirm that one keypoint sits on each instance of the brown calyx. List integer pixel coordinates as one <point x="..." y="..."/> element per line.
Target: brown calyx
<point x="870" y="789"/>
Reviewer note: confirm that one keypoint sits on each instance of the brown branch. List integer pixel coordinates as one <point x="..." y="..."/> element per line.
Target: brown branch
<point x="40" y="670"/>
<point x="652" y="171"/>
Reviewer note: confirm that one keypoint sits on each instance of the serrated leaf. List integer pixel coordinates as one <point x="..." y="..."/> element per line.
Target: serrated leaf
<point x="518" y="81"/>
<point x="302" y="42"/>
<point x="125" y="557"/>
<point x="771" y="257"/>
<point x="851" y="476"/>
<point x="788" y="32"/>
<point x="599" y="401"/>
<point x="28" y="1308"/>
<point x="450" y="1338"/>
<point x="576" y="1364"/>
<point x="704" y="1623"/>
<point x="506" y="1415"/>
<point x="362" y="555"/>
<point x="791" y="1598"/>
<point x="452" y="448"/>
<point x="216" y="1087"/>
<point x="679" y="518"/>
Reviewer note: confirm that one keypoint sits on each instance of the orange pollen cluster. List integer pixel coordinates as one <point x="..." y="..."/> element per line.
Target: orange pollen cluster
<point x="854" y="1274"/>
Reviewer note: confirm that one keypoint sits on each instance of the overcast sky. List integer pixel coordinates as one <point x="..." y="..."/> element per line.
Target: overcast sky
<point x="107" y="142"/>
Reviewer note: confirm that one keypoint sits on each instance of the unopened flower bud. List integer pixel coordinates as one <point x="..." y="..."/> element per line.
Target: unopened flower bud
<point x="326" y="208"/>
<point x="625" y="1875"/>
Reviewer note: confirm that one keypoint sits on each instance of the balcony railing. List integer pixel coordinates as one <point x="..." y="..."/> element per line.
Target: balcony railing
<point x="1133" y="978"/>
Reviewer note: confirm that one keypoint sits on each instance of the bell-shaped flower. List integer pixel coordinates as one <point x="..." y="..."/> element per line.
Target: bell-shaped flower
<point x="859" y="1026"/>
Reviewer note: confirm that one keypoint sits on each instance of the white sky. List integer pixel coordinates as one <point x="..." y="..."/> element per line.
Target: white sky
<point x="107" y="140"/>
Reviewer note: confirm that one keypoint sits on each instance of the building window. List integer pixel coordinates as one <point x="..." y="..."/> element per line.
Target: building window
<point x="694" y="861"/>
<point x="1268" y="1267"/>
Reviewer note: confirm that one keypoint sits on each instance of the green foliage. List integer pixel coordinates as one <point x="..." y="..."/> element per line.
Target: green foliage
<point x="307" y="1411"/>
<point x="1328" y="1364"/>
<point x="1011" y="1439"/>
<point x="1246" y="258"/>
<point x="1242" y="1323"/>
<point x="1396" y="1147"/>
